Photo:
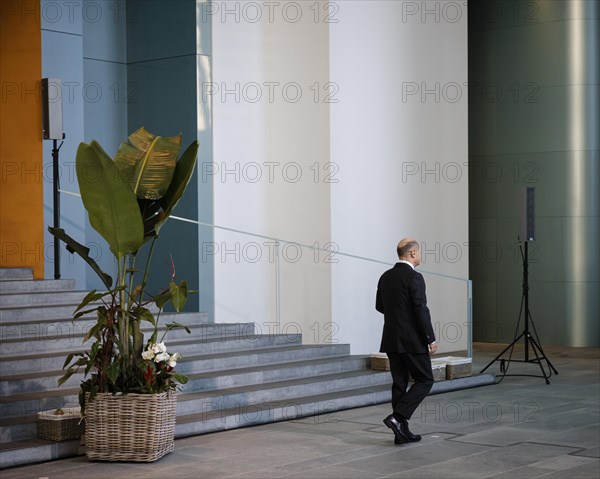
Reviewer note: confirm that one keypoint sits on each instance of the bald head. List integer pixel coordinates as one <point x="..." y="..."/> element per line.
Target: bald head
<point x="408" y="250"/>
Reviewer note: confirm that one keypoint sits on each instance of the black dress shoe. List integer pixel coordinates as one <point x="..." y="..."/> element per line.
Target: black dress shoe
<point x="396" y="427"/>
<point x="410" y="436"/>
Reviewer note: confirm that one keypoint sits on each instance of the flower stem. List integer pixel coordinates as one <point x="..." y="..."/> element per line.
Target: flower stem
<point x="147" y="269"/>
<point x="123" y="317"/>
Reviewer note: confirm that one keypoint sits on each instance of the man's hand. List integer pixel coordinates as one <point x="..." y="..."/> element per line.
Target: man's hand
<point x="432" y="348"/>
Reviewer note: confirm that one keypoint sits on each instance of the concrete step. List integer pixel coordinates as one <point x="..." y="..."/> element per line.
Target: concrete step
<point x="19" y="412"/>
<point x="204" y="381"/>
<point x="36" y="286"/>
<point x="31" y="451"/>
<point x="72" y="342"/>
<point x="12" y="274"/>
<point x="54" y="360"/>
<point x="41" y="299"/>
<point x="266" y="374"/>
<point x="259" y="357"/>
<point x="61" y="310"/>
<point x="184" y="318"/>
<point x="25" y="404"/>
<point x="18" y="429"/>
<point x="37" y="313"/>
<point x="52" y="328"/>
<point x="279" y="390"/>
<point x="214" y="418"/>
<point x="220" y="419"/>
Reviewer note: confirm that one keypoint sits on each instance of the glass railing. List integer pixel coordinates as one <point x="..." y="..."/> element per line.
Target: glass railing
<point x="317" y="290"/>
<point x="287" y="281"/>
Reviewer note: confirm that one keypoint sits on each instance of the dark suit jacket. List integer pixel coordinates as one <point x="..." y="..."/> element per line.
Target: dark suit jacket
<point x="407" y="323"/>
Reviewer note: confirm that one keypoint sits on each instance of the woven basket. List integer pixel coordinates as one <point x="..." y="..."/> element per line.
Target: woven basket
<point x="458" y="368"/>
<point x="380" y="362"/>
<point x="60" y="424"/>
<point x="438" y="369"/>
<point x="131" y="427"/>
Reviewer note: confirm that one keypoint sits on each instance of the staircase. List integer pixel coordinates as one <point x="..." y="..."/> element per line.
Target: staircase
<point x="236" y="377"/>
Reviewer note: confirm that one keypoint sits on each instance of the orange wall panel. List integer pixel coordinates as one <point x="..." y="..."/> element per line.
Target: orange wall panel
<point x="21" y="181"/>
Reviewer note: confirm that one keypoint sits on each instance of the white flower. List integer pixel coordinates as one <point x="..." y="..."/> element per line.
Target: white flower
<point x="148" y="354"/>
<point x="172" y="362"/>
<point x="162" y="357"/>
<point x="159" y="348"/>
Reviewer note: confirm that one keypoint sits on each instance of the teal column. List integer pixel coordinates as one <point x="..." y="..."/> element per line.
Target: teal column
<point x="168" y="59"/>
<point x="533" y="116"/>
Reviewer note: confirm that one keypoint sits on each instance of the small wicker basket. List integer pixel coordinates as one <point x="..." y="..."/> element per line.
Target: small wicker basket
<point x="131" y="427"/>
<point x="60" y="424"/>
<point x="457" y="367"/>
<point x="439" y="370"/>
<point x="380" y="362"/>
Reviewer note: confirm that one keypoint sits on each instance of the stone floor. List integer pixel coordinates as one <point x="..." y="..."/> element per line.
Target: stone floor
<point x="519" y="428"/>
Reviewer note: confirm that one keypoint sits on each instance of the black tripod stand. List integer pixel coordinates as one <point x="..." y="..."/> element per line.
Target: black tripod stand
<point x="536" y="348"/>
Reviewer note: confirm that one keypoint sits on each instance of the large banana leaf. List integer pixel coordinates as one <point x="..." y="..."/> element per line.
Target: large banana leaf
<point x="181" y="178"/>
<point x="83" y="251"/>
<point x="150" y="216"/>
<point x="111" y="204"/>
<point x="148" y="163"/>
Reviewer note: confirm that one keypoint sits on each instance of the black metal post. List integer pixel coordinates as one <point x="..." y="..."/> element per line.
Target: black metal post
<point x="526" y="298"/>
<point x="56" y="201"/>
<point x="525" y="334"/>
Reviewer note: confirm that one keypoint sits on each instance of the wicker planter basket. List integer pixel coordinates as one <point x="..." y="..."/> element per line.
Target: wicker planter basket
<point x="131" y="427"/>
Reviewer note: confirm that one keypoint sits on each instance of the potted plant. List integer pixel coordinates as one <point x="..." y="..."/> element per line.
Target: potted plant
<point x="127" y="201"/>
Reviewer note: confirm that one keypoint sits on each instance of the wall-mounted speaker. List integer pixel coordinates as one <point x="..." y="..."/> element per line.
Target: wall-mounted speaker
<point x="528" y="214"/>
<point x="52" y="124"/>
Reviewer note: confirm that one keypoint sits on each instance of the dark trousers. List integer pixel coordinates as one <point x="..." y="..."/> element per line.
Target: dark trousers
<point x="402" y="367"/>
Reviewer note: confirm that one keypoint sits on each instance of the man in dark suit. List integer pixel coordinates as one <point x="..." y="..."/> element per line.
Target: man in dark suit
<point x="408" y="338"/>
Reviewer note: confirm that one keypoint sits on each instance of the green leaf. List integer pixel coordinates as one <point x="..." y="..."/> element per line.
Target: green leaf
<point x="181" y="178"/>
<point x="81" y="362"/>
<point x="83" y="313"/>
<point x="111" y="204"/>
<point x="162" y="299"/>
<point x="91" y="297"/>
<point x="150" y="216"/>
<point x="113" y="372"/>
<point x="94" y="331"/>
<point x="148" y="163"/>
<point x="83" y="251"/>
<point x="69" y="358"/>
<point x="176" y="325"/>
<point x="67" y="375"/>
<point x="178" y="294"/>
<point x="180" y="378"/>
<point x="144" y="314"/>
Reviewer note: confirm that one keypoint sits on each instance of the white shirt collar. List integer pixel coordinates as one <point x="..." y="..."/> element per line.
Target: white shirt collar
<point x="407" y="262"/>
